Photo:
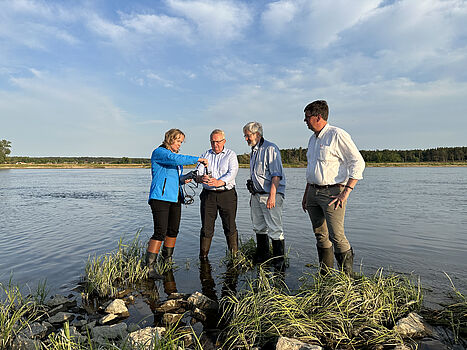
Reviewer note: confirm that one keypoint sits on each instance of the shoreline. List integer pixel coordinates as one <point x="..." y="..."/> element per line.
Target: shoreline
<point x="148" y="166"/>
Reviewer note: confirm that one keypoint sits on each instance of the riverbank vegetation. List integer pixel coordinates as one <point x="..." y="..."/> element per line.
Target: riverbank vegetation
<point x="293" y="158"/>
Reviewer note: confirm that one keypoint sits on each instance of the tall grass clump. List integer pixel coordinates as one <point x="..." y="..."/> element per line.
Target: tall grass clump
<point x="243" y="260"/>
<point x="16" y="313"/>
<point x="334" y="311"/>
<point x="123" y="267"/>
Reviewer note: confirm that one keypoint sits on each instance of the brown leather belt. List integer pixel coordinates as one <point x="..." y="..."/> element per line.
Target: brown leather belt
<point x="326" y="186"/>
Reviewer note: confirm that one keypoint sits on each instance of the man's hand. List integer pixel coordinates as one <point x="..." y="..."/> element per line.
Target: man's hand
<point x="338" y="200"/>
<point x="212" y="182"/>
<point x="271" y="203"/>
<point x="188" y="180"/>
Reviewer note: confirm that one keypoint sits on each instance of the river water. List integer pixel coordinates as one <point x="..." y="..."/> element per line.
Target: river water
<point x="406" y="220"/>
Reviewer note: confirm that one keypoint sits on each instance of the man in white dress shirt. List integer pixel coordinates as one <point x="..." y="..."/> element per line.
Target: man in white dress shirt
<point x="334" y="167"/>
<point x="218" y="195"/>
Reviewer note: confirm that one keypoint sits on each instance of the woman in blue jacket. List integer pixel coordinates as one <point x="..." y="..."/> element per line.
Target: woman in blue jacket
<point x="166" y="196"/>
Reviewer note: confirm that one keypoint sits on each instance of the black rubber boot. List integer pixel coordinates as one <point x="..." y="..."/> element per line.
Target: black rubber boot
<point x="326" y="260"/>
<point x="204" y="246"/>
<point x="345" y="261"/>
<point x="278" y="246"/>
<point x="262" y="248"/>
<point x="167" y="254"/>
<point x="151" y="263"/>
<point x="232" y="243"/>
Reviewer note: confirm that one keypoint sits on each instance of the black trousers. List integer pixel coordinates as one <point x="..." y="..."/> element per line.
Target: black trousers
<point x="166" y="216"/>
<point x="224" y="202"/>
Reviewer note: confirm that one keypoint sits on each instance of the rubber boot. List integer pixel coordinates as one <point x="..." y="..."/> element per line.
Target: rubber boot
<point x="169" y="282"/>
<point x="262" y="248"/>
<point x="232" y="243"/>
<point x="168" y="249"/>
<point x="326" y="260"/>
<point x="204" y="246"/>
<point x="278" y="246"/>
<point x="151" y="258"/>
<point x="345" y="261"/>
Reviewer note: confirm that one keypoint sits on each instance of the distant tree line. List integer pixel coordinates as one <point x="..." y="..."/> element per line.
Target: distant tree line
<point x="78" y="160"/>
<point x="441" y="154"/>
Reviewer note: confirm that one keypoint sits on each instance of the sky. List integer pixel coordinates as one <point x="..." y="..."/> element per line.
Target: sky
<point x="109" y="77"/>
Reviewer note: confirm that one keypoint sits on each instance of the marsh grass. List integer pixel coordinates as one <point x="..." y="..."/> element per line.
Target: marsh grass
<point x="121" y="268"/>
<point x="334" y="311"/>
<point x="16" y="312"/>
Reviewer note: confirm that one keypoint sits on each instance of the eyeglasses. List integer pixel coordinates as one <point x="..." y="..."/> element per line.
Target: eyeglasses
<point x="213" y="141"/>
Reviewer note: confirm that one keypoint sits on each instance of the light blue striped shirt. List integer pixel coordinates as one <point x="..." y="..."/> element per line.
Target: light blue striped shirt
<point x="223" y="166"/>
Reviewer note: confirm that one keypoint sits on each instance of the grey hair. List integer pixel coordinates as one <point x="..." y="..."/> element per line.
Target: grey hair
<point x="254" y="127"/>
<point x="218" y="131"/>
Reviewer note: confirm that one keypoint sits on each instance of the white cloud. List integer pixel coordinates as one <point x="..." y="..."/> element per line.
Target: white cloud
<point x="157" y="25"/>
<point x="217" y="20"/>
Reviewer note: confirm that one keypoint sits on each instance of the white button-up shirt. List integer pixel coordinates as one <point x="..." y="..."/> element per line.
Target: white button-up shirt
<point x="223" y="166"/>
<point x="333" y="158"/>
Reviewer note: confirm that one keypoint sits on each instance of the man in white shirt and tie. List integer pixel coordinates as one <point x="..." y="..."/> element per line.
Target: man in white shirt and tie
<point x="334" y="167"/>
<point x="218" y="195"/>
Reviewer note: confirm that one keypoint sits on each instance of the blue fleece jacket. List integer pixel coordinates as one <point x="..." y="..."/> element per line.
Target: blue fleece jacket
<point x="165" y="183"/>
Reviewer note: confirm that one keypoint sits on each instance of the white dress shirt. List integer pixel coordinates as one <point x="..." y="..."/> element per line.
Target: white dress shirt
<point x="333" y="158"/>
<point x="223" y="166"/>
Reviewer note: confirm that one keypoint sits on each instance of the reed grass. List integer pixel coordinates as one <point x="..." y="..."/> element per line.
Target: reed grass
<point x="121" y="268"/>
<point x="16" y="312"/>
<point x="243" y="260"/>
<point x="335" y="311"/>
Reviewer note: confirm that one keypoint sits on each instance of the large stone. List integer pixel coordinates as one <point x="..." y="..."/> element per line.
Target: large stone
<point x="116" y="331"/>
<point x="117" y="307"/>
<point x="170" y="305"/>
<point x="61" y="317"/>
<point x="169" y="318"/>
<point x="285" y="343"/>
<point x="145" y="338"/>
<point x="57" y="300"/>
<point x="34" y="330"/>
<point x="108" y="318"/>
<point x="23" y="343"/>
<point x="202" y="302"/>
<point x="412" y="326"/>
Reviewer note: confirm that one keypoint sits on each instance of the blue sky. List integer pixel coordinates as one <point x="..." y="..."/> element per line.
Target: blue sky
<point x="108" y="78"/>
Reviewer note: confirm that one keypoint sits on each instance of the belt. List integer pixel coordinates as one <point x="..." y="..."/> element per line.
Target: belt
<point x="218" y="191"/>
<point x="326" y="186"/>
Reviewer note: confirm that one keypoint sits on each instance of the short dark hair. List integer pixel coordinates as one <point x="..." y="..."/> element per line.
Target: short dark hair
<point x="318" y="107"/>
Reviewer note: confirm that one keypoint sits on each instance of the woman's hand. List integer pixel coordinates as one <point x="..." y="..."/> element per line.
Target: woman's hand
<point x="203" y="161"/>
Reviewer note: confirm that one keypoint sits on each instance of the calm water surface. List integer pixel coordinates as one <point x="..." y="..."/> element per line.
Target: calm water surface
<point x="407" y="220"/>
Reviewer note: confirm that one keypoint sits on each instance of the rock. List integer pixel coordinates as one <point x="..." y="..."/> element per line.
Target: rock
<point x="79" y="323"/>
<point x="293" y="344"/>
<point x="75" y="336"/>
<point x="198" y="314"/>
<point x="144" y="338"/>
<point x="170" y="305"/>
<point x="61" y="317"/>
<point x="116" y="331"/>
<point x="108" y="318"/>
<point x="57" y="309"/>
<point x="402" y="347"/>
<point x="412" y="326"/>
<point x="178" y="296"/>
<point x="169" y="318"/>
<point x="117" y="307"/>
<point x="34" y="330"/>
<point x="202" y="302"/>
<point x="23" y="343"/>
<point x="131" y="299"/>
<point x="57" y="300"/>
<point x="133" y="327"/>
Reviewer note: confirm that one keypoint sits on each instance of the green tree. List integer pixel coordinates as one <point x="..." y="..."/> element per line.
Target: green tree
<point x="4" y="150"/>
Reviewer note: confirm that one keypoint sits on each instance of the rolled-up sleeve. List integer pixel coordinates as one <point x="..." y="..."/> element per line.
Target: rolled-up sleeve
<point x="274" y="162"/>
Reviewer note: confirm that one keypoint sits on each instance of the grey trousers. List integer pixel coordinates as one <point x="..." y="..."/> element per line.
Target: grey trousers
<point x="328" y="224"/>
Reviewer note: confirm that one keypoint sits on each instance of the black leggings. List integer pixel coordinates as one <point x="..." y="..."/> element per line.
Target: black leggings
<point x="166" y="216"/>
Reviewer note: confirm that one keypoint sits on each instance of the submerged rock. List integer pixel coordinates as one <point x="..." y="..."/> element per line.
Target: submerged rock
<point x="202" y="302"/>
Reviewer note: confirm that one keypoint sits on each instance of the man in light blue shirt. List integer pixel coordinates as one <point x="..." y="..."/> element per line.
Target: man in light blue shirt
<point x="218" y="195"/>
<point x="267" y="188"/>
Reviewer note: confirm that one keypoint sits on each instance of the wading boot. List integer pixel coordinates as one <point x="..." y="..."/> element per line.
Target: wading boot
<point x="326" y="260"/>
<point x="262" y="248"/>
<point x="345" y="261"/>
<point x="168" y="249"/>
<point x="232" y="243"/>
<point x="278" y="246"/>
<point x="204" y="246"/>
<point x="151" y="258"/>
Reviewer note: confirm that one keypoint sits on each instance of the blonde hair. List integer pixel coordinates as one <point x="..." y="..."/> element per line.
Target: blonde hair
<point x="171" y="136"/>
